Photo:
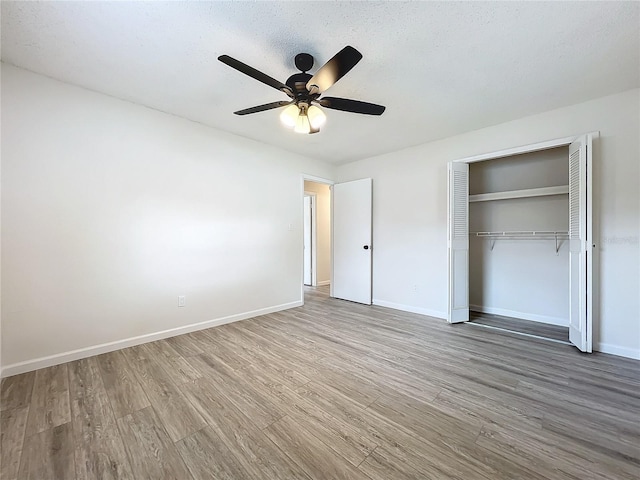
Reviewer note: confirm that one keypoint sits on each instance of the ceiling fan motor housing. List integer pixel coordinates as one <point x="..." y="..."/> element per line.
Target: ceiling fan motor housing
<point x="298" y="83"/>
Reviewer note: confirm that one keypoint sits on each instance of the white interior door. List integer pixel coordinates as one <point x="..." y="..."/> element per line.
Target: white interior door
<point x="308" y="229"/>
<point x="351" y="232"/>
<point x="580" y="244"/>
<point x="458" y="251"/>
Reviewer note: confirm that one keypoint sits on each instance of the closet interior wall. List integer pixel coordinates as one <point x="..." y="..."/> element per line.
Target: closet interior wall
<point x="520" y="275"/>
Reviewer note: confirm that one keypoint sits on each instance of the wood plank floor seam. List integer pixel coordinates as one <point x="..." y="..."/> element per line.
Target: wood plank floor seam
<point x="365" y="458"/>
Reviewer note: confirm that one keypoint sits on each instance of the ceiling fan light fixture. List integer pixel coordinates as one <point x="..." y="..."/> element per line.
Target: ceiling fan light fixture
<point x="289" y="116"/>
<point x="302" y="124"/>
<point x="303" y="89"/>
<point x="317" y="118"/>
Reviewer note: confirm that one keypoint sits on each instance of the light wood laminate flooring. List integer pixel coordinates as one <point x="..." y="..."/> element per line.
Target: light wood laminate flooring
<point x="331" y="390"/>
<point x="517" y="325"/>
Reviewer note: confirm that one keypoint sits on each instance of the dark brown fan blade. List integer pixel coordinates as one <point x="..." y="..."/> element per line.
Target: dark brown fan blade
<point x="334" y="69"/>
<point x="257" y="74"/>
<point x="262" y="108"/>
<point x="353" y="106"/>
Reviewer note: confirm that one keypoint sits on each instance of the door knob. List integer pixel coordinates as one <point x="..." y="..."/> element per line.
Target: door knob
<point x="366" y="247"/>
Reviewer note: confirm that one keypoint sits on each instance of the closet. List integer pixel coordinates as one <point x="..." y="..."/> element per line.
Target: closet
<point x="518" y="248"/>
<point x="520" y="239"/>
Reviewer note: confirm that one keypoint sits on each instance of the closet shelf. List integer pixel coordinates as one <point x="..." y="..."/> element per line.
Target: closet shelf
<point x="532" y="234"/>
<point x="530" y="192"/>
<point x="521" y="234"/>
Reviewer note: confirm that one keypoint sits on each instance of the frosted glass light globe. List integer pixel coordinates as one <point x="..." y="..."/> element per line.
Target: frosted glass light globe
<point x="317" y="118"/>
<point x="289" y="116"/>
<point x="302" y="124"/>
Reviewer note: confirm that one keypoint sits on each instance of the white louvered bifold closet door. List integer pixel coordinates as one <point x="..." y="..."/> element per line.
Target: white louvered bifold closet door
<point x="458" y="309"/>
<point x="579" y="246"/>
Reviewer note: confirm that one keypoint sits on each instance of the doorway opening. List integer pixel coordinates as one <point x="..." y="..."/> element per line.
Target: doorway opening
<point x="316" y="233"/>
<point x="339" y="234"/>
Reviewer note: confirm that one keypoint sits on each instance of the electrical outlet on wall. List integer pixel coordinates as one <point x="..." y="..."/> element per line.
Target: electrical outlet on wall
<point x="182" y="299"/>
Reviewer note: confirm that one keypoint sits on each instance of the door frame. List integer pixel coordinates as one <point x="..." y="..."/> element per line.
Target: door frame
<point x="325" y="181"/>
<point x="592" y="218"/>
<point x="313" y="199"/>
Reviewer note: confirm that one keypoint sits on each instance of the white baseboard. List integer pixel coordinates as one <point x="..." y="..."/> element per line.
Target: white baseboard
<point x="323" y="282"/>
<point x="561" y="322"/>
<point x="48" y="361"/>
<point x="616" y="350"/>
<point x="410" y="308"/>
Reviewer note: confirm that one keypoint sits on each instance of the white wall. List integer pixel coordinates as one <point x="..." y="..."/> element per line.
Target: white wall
<point x="111" y="210"/>
<point x="410" y="211"/>
<point x="323" y="230"/>
<point x="522" y="278"/>
<point x="1" y="363"/>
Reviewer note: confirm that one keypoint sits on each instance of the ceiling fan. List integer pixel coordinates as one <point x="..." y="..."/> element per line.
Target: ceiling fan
<point x="304" y="90"/>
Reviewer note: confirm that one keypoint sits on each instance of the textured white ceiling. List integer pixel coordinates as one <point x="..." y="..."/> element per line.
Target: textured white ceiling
<point x="441" y="68"/>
